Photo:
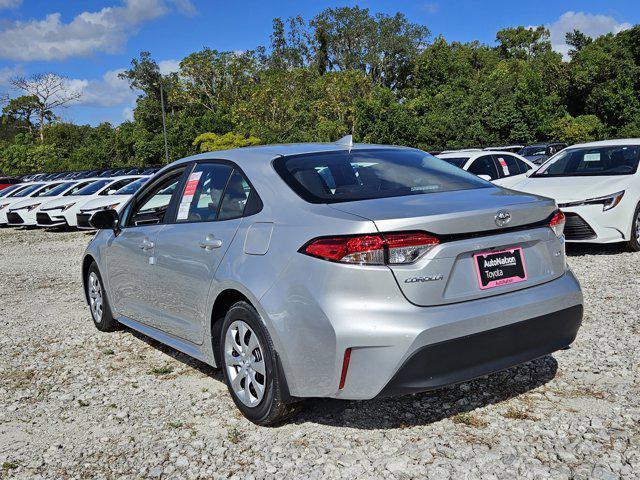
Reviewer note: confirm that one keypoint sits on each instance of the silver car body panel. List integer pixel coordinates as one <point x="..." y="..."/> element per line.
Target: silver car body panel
<point x="314" y="309"/>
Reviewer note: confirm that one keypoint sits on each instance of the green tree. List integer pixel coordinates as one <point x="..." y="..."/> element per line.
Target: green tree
<point x="584" y="128"/>
<point x="210" y="142"/>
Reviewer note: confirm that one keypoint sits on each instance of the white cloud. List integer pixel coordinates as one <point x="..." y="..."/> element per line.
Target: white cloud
<point x="5" y="4"/>
<point x="108" y="91"/>
<point x="106" y="30"/>
<point x="168" y="66"/>
<point x="185" y="6"/>
<point x="588" y="23"/>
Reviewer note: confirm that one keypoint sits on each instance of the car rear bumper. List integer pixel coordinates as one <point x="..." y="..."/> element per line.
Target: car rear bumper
<point x="316" y="319"/>
<point x="464" y="358"/>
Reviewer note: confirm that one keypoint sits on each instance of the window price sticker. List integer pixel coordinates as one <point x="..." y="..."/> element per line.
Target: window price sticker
<point x="503" y="164"/>
<point x="187" y="196"/>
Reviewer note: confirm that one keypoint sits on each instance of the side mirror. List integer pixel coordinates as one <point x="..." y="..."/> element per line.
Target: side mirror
<point x="485" y="177"/>
<point x="105" y="220"/>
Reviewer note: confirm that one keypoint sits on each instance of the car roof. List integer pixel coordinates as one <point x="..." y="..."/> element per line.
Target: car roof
<point x="247" y="156"/>
<point x="608" y="143"/>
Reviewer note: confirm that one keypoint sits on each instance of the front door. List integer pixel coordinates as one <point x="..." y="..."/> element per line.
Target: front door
<point x="131" y="253"/>
<point x="190" y="248"/>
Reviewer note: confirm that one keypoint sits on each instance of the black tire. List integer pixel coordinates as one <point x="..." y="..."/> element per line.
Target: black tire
<point x="272" y="408"/>
<point x="634" y="242"/>
<point x="103" y="321"/>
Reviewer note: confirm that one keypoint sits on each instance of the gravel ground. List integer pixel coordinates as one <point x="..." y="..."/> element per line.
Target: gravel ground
<point x="76" y="403"/>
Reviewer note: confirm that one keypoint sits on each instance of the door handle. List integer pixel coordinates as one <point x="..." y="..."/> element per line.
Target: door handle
<point x="210" y="242"/>
<point x="146" y="245"/>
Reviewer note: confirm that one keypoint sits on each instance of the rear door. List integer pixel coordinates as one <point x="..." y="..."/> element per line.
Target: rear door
<point x="131" y="253"/>
<point x="190" y="248"/>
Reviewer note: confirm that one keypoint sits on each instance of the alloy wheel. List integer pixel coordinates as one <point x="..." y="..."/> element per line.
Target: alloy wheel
<point x="244" y="361"/>
<point x="95" y="297"/>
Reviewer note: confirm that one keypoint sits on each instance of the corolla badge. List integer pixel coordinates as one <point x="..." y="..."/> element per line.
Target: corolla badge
<point x="502" y="218"/>
<point x="427" y="278"/>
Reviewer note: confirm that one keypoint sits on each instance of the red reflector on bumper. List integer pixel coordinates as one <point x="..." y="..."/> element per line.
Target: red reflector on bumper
<point x="345" y="367"/>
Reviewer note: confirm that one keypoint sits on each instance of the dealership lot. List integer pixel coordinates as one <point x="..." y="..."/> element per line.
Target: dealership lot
<point x="77" y="402"/>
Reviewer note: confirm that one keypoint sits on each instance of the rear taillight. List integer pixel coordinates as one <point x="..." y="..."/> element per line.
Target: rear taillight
<point x="557" y="223"/>
<point x="378" y="249"/>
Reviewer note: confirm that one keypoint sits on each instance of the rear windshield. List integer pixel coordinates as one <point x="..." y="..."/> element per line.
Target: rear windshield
<point x="594" y="161"/>
<point x="533" y="151"/>
<point x="458" y="161"/>
<point x="343" y="176"/>
<point x="93" y="187"/>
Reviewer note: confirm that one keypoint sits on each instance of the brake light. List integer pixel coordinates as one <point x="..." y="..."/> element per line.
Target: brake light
<point x="557" y="223"/>
<point x="378" y="249"/>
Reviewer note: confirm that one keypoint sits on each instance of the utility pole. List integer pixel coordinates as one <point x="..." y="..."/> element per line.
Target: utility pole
<point x="164" y="122"/>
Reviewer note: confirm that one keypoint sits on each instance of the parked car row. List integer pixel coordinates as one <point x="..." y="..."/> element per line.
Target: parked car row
<point x="597" y="185"/>
<point x="536" y="153"/>
<point x="64" y="202"/>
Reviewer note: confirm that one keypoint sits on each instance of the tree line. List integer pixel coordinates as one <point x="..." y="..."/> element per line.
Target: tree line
<point x="379" y="77"/>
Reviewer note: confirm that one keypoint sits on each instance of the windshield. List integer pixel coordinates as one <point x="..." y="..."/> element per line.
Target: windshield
<point x="6" y="191"/>
<point x="343" y="176"/>
<point x="27" y="191"/>
<point x="533" y="151"/>
<point x="598" y="161"/>
<point x="57" y="190"/>
<point x="93" y="187"/>
<point x="458" y="161"/>
<point x="132" y="188"/>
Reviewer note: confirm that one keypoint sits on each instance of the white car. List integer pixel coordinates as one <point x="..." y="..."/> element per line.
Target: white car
<point x="116" y="202"/>
<point x="597" y="186"/>
<point x="62" y="212"/>
<point x="30" y="190"/>
<point x="502" y="168"/>
<point x="23" y="213"/>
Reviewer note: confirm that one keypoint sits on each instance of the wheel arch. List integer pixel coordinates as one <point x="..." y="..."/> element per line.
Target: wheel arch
<point x="86" y="263"/>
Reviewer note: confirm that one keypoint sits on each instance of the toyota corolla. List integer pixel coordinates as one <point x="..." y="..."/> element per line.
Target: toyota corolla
<point x="334" y="270"/>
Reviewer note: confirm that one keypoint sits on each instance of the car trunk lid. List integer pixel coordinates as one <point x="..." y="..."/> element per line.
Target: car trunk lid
<point x="466" y="223"/>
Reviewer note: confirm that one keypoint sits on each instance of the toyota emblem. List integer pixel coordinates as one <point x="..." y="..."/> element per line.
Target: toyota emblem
<point x="502" y="218"/>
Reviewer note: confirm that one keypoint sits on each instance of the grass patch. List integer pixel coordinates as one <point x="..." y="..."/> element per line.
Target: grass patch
<point x="234" y="435"/>
<point x="9" y="465"/>
<point x="518" y="414"/>
<point x="469" y="420"/>
<point x="175" y="425"/>
<point x="83" y="403"/>
<point x="164" y="370"/>
<point x="108" y="351"/>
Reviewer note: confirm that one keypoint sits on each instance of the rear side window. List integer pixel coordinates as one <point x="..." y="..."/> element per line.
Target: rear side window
<point x="507" y="165"/>
<point x="524" y="167"/>
<point x="484" y="166"/>
<point x="235" y="197"/>
<point x="342" y="176"/>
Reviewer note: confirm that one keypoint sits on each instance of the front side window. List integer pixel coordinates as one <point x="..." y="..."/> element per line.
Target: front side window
<point x="594" y="161"/>
<point x="152" y="207"/>
<point x="484" y="166"/>
<point x="202" y="194"/>
<point x="132" y="188"/>
<point x="343" y="176"/>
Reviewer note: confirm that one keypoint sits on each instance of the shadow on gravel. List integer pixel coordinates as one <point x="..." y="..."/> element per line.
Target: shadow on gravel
<point x="430" y="407"/>
<point x="579" y="249"/>
<point x="403" y="411"/>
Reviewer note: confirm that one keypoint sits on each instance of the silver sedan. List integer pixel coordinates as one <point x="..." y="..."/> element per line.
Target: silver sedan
<point x="334" y="270"/>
